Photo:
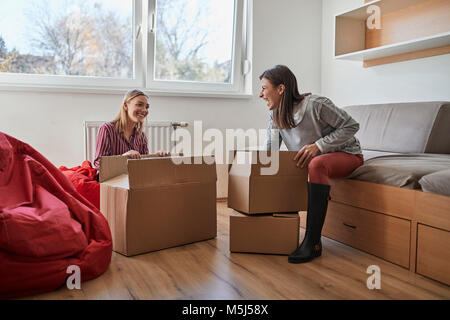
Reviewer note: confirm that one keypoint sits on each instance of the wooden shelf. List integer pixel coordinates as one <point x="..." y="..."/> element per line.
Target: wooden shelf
<point x="410" y="29"/>
<point x="439" y="40"/>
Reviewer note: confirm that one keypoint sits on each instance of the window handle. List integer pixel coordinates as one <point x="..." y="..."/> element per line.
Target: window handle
<point x="138" y="32"/>
<point x="247" y="66"/>
<point x="151" y="22"/>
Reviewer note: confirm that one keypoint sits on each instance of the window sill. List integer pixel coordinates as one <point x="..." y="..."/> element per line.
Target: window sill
<point x="121" y="91"/>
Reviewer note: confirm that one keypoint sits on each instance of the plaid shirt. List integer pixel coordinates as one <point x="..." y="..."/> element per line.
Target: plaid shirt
<point x="111" y="143"/>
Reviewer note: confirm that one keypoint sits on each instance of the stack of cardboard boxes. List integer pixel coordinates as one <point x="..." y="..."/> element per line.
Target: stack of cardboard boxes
<point x="156" y="203"/>
<point x="266" y="191"/>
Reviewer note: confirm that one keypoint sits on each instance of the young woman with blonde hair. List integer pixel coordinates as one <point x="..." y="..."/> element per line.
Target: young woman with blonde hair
<point x="124" y="135"/>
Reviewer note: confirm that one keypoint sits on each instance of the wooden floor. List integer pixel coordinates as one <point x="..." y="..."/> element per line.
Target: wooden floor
<point x="207" y="270"/>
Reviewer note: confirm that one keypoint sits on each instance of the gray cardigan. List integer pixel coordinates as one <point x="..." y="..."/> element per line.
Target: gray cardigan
<point x="317" y="121"/>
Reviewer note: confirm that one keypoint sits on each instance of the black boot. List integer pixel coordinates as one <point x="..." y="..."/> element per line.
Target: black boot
<point x="311" y="247"/>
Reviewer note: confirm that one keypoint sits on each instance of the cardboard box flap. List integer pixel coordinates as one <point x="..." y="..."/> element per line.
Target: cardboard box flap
<point x="235" y="213"/>
<point x="290" y="167"/>
<point x="121" y="181"/>
<point x="201" y="169"/>
<point x="168" y="171"/>
<point x="112" y="166"/>
<point x="258" y="217"/>
<point x="240" y="169"/>
<point x="250" y="163"/>
<point x="245" y="163"/>
<point x="286" y="215"/>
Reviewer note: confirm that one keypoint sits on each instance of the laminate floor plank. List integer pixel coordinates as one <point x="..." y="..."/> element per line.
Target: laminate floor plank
<point x="207" y="270"/>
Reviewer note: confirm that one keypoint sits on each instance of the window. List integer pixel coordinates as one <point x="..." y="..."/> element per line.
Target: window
<point x="69" y="42"/>
<point x="160" y="45"/>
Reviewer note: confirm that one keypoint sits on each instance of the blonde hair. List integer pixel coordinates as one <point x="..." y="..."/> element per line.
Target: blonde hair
<point x="121" y="120"/>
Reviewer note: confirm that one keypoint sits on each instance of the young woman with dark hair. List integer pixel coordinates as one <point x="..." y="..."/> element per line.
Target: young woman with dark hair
<point x="323" y="135"/>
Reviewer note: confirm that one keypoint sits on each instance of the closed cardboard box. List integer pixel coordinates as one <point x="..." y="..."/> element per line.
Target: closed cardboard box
<point x="153" y="203"/>
<point x="255" y="187"/>
<point x="271" y="234"/>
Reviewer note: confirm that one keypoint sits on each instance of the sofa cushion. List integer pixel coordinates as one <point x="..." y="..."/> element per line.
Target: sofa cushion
<point x="438" y="141"/>
<point x="369" y="154"/>
<point x="413" y="127"/>
<point x="401" y="170"/>
<point x="437" y="182"/>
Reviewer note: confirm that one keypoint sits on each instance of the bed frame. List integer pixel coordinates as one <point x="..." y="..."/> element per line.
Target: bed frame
<point x="407" y="227"/>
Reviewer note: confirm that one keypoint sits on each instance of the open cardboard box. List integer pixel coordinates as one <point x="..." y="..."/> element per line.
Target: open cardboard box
<point x="252" y="191"/>
<point x="271" y="234"/>
<point x="153" y="203"/>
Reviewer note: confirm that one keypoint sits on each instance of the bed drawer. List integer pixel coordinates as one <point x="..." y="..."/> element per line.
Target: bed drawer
<point x="433" y="209"/>
<point x="433" y="253"/>
<point x="381" y="235"/>
<point x="394" y="201"/>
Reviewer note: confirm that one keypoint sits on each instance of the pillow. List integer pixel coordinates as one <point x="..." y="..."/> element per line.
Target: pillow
<point x="437" y="182"/>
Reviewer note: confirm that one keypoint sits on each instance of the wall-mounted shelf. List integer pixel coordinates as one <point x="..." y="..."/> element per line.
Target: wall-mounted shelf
<point x="410" y="29"/>
<point x="398" y="48"/>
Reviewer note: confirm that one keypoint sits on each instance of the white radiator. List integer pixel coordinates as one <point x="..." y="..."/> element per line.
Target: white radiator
<point x="159" y="135"/>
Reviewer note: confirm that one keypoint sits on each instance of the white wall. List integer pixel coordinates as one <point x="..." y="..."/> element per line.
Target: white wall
<point x="348" y="83"/>
<point x="285" y="32"/>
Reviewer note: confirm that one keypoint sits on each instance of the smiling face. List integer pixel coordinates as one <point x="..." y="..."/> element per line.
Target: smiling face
<point x="271" y="94"/>
<point x="137" y="109"/>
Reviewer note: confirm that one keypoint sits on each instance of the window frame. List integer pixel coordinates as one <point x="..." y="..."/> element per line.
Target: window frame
<point x="143" y="65"/>
<point x="177" y="85"/>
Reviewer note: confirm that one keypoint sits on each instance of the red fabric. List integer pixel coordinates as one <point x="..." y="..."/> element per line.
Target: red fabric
<point x="333" y="165"/>
<point x="45" y="225"/>
<point x="83" y="179"/>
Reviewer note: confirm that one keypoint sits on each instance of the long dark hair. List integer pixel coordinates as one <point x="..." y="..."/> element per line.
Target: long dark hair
<point x="283" y="116"/>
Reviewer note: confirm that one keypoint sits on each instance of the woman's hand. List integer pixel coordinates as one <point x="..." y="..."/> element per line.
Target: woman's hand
<point x="305" y="155"/>
<point x="163" y="154"/>
<point x="132" y="154"/>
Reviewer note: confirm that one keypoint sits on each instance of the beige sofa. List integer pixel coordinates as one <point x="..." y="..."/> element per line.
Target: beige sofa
<point x="397" y="205"/>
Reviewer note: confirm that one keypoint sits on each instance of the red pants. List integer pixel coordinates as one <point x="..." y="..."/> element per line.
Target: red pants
<point x="333" y="165"/>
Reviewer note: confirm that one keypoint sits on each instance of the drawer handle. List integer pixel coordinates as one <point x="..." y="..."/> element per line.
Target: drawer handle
<point x="349" y="225"/>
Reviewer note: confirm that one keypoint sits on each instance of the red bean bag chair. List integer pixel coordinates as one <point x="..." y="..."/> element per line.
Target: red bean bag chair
<point x="45" y="225"/>
<point x="84" y="180"/>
